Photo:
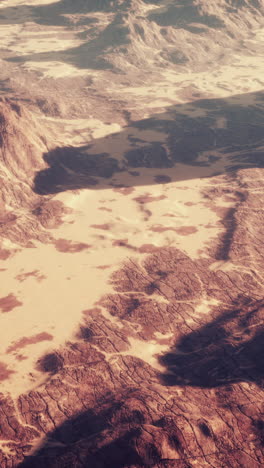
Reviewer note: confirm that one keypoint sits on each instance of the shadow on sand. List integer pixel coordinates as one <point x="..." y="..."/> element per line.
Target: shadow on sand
<point x="197" y="139"/>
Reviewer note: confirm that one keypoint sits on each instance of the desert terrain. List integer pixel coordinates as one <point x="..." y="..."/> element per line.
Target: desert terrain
<point x="131" y="233"/>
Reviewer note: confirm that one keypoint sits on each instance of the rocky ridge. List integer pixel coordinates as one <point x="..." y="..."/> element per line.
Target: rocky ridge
<point x="101" y="406"/>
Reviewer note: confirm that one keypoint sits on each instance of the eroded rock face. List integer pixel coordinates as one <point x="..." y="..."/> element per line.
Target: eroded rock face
<point x="22" y="142"/>
<point x="105" y="403"/>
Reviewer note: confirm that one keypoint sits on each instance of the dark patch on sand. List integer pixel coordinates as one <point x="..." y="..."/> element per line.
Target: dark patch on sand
<point x="148" y="248"/>
<point x="4" y="254"/>
<point x="35" y="273"/>
<point x="182" y="230"/>
<point x="209" y="226"/>
<point x="28" y="340"/>
<point x="68" y="246"/>
<point x="103" y="267"/>
<point x="105" y="226"/>
<point x="30" y="245"/>
<point x="169" y="215"/>
<point x="5" y="372"/>
<point x="20" y="357"/>
<point x="100" y="237"/>
<point x="9" y="302"/>
<point x="103" y="208"/>
<point x="186" y="230"/>
<point x="148" y="198"/>
<point x="145" y="211"/>
<point x="123" y="243"/>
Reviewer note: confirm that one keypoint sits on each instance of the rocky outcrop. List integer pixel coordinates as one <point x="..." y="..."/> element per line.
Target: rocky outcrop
<point x="108" y="401"/>
<point x="143" y="33"/>
<point x="181" y="34"/>
<point x="22" y="141"/>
